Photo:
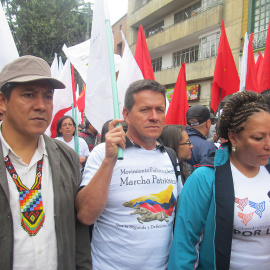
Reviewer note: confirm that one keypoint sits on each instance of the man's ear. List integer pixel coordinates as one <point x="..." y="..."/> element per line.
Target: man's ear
<point x="125" y="115"/>
<point x="208" y="124"/>
<point x="3" y="102"/>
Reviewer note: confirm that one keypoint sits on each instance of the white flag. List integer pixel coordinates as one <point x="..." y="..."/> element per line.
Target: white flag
<point x="244" y="64"/>
<point x="98" y="94"/>
<point x="62" y="99"/>
<point x="60" y="65"/>
<point x="129" y="72"/>
<point x="79" y="56"/>
<point x="8" y="50"/>
<point x="54" y="67"/>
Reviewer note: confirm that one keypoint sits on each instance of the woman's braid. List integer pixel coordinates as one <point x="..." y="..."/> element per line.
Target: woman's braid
<point x="237" y="109"/>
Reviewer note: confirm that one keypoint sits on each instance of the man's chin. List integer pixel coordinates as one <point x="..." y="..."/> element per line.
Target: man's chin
<point x="154" y="134"/>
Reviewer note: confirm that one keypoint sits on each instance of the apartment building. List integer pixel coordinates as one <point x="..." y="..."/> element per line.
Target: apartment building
<point x="256" y="14"/>
<point x="120" y="25"/>
<point x="187" y="31"/>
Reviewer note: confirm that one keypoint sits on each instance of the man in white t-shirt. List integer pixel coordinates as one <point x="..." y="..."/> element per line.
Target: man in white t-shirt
<point x="131" y="201"/>
<point x="39" y="176"/>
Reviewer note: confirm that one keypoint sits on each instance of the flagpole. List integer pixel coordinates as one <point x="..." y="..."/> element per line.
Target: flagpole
<point x="74" y="111"/>
<point x="76" y="142"/>
<point x="219" y="97"/>
<point x="113" y="81"/>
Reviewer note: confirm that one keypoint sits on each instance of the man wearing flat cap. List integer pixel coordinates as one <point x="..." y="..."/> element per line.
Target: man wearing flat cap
<point x="198" y="126"/>
<point x="39" y="176"/>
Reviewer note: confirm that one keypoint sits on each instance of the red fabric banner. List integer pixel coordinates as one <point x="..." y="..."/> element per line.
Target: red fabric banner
<point x="226" y="76"/>
<point x="142" y="56"/>
<point x="176" y="114"/>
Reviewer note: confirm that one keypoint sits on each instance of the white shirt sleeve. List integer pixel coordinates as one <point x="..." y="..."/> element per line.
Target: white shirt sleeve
<point x="84" y="150"/>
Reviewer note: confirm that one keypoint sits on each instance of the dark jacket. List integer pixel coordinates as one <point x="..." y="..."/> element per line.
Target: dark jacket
<point x="90" y="139"/>
<point x="72" y="237"/>
<point x="201" y="147"/>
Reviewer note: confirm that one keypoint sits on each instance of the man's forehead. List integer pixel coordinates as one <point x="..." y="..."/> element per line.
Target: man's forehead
<point x="149" y="92"/>
<point x="36" y="85"/>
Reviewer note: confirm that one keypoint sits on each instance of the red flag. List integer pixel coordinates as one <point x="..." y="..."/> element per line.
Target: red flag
<point x="251" y="78"/>
<point x="73" y="86"/>
<point x="259" y="68"/>
<point x="81" y="100"/>
<point x="264" y="80"/>
<point x="226" y="76"/>
<point x="142" y="56"/>
<point x="259" y="63"/>
<point x="176" y="114"/>
<point x="56" y="118"/>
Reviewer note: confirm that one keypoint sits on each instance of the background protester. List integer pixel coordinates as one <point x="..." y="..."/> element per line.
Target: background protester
<point x="198" y="126"/>
<point x="223" y="214"/>
<point x="176" y="137"/>
<point x="105" y="129"/>
<point x="90" y="135"/>
<point x="81" y="127"/>
<point x="65" y="133"/>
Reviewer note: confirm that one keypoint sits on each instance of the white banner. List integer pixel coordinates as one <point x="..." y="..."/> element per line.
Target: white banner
<point x="8" y="50"/>
<point x="79" y="55"/>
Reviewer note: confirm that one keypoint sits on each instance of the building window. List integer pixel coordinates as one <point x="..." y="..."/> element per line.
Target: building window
<point x="187" y="12"/>
<point x="154" y="29"/>
<point x="157" y="64"/>
<point x="261" y="15"/>
<point x="208" y="3"/>
<point x="209" y="46"/>
<point x="258" y="22"/>
<point x="188" y="55"/>
<point x="140" y="3"/>
<point x="119" y="48"/>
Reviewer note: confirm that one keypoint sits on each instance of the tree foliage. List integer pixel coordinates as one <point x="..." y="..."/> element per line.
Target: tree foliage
<point x="42" y="27"/>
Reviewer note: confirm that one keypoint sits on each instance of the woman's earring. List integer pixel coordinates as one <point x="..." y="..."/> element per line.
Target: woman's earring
<point x="233" y="149"/>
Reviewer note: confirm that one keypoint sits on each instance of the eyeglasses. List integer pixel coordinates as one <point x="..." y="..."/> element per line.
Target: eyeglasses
<point x="186" y="143"/>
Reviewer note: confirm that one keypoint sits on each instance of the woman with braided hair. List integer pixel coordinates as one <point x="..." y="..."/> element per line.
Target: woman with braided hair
<point x="223" y="214"/>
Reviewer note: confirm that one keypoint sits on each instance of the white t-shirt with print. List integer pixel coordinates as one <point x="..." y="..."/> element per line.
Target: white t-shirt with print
<point x="251" y="235"/>
<point x="135" y="229"/>
<point x="83" y="147"/>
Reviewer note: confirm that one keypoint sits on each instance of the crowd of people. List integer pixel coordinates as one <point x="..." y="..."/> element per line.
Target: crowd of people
<point x="175" y="201"/>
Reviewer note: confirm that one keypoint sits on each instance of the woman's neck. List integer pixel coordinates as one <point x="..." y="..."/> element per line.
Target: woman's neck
<point x="247" y="170"/>
<point x="67" y="138"/>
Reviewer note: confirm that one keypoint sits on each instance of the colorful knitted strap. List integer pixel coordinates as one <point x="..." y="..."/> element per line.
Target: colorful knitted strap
<point x="32" y="213"/>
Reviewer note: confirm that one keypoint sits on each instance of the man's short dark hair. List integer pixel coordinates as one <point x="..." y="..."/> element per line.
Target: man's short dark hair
<point x="87" y="123"/>
<point x="7" y="88"/>
<point x="140" y="86"/>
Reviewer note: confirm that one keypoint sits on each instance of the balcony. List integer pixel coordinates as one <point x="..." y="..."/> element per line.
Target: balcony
<point x="153" y="11"/>
<point x="185" y="32"/>
<point x="259" y="39"/>
<point x="195" y="71"/>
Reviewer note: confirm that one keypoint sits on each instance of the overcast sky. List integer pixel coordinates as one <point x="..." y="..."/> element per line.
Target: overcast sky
<point x="117" y="9"/>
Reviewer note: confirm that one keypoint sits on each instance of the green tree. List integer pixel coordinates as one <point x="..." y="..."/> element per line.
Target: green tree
<point x="42" y="27"/>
